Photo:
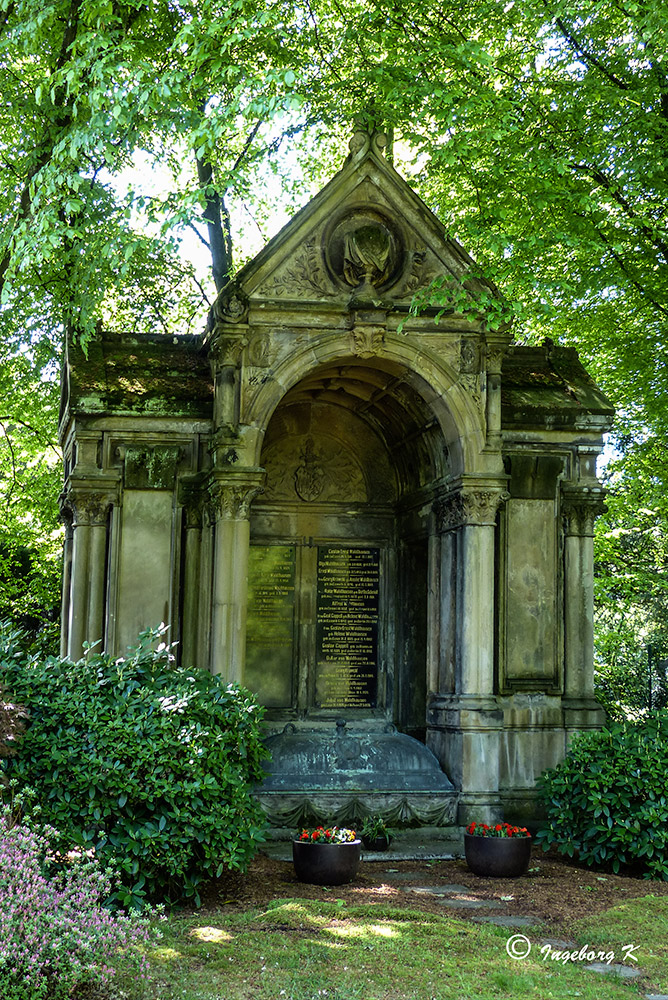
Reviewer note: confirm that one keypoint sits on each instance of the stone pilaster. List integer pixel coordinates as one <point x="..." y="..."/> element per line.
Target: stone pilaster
<point x="463" y="716"/>
<point x="90" y="515"/>
<point x="231" y="495"/>
<point x="67" y="517"/>
<point x="495" y="353"/>
<point x="192" y="501"/>
<point x="579" y="508"/>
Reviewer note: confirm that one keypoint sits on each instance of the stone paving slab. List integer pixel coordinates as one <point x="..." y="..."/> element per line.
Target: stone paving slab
<point x="623" y="971"/>
<point x="440" y="890"/>
<point x="506" y="921"/>
<point x="471" y="904"/>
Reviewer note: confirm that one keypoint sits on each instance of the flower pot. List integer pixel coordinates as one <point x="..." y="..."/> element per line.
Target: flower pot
<point x="498" y="857"/>
<point x="326" y="864"/>
<point x="376" y="843"/>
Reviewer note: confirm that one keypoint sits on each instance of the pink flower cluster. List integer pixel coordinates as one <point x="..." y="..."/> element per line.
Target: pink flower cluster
<point x="55" y="933"/>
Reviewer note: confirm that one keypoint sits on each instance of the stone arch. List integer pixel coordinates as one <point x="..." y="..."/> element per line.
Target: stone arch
<point x="432" y="379"/>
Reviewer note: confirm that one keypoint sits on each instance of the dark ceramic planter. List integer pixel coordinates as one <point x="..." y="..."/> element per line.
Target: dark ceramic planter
<point x="376" y="843"/>
<point x="497" y="857"/>
<point x="326" y="864"/>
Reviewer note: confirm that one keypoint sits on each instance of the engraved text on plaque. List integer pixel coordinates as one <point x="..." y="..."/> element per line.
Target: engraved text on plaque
<point x="347" y="627"/>
<point x="270" y="624"/>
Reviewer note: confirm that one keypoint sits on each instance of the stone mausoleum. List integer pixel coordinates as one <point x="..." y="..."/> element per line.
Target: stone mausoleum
<point x="379" y="522"/>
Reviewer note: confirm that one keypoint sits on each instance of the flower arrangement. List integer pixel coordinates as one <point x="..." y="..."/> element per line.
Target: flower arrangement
<point x="496" y="830"/>
<point x="328" y="835"/>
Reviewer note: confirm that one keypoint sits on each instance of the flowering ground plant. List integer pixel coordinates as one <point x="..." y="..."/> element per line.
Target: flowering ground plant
<point x="496" y="830"/>
<point x="328" y="835"/>
<point x="56" y="936"/>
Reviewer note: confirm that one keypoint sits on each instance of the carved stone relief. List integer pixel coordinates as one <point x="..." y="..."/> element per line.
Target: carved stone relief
<point x="468" y="507"/>
<point x="232" y="500"/>
<point x="469" y="357"/>
<point x="303" y="275"/>
<point x="300" y="469"/>
<point x="367" y="341"/>
<point x="364" y="249"/>
<point x="88" y="508"/>
<point x="152" y="466"/>
<point x="471" y="383"/>
<point x="425" y="267"/>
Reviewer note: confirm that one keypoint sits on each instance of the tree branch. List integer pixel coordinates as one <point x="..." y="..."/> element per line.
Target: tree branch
<point x="587" y="56"/>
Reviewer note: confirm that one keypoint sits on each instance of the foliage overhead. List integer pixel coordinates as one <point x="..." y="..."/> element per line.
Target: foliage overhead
<point x="147" y="765"/>
<point x="537" y="130"/>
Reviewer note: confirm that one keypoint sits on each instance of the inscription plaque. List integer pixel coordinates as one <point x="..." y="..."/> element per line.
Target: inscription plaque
<point x="270" y="625"/>
<point x="347" y="627"/>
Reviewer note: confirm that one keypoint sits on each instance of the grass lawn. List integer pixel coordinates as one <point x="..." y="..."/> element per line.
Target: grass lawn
<point x="297" y="949"/>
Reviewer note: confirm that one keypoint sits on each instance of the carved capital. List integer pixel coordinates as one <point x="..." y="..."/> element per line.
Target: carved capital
<point x="468" y="507"/>
<point x="231" y="499"/>
<point x="579" y="509"/>
<point x="192" y="500"/>
<point x="88" y="508"/>
<point x="227" y="349"/>
<point x="66" y="513"/>
<point x="495" y="354"/>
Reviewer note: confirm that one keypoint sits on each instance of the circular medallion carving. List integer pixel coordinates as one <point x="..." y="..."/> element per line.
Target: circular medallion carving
<point x="364" y="248"/>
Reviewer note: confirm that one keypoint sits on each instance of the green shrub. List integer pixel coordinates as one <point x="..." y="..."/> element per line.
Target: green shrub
<point x="149" y="765"/>
<point x="607" y="802"/>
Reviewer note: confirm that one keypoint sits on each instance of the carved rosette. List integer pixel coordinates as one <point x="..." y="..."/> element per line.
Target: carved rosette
<point x="231" y="501"/>
<point x="88" y="508"/>
<point x="470" y="507"/>
<point x="580" y="510"/>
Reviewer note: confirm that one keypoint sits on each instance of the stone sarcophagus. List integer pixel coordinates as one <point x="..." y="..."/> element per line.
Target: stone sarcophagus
<point x="354" y="510"/>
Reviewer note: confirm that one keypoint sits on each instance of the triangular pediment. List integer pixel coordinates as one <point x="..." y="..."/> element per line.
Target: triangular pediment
<point x="366" y="230"/>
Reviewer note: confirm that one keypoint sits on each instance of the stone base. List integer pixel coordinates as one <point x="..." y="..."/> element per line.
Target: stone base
<point x="408" y="809"/>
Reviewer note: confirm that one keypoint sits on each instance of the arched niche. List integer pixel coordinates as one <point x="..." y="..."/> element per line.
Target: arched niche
<point x="337" y="614"/>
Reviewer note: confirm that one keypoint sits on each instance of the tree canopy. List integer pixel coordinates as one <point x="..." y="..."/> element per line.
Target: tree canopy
<point x="537" y="130"/>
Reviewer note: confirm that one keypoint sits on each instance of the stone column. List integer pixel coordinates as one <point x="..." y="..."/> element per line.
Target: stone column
<point x="66" y="516"/>
<point x="495" y="353"/>
<point x="579" y="507"/>
<point x="467" y="715"/>
<point x="88" y="581"/>
<point x="231" y="495"/>
<point x="192" y="511"/>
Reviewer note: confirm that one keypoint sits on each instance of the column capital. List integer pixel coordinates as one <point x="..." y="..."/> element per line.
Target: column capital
<point x="87" y="506"/>
<point x="232" y="494"/>
<point x="468" y="507"/>
<point x="192" y="497"/>
<point x="580" y="506"/>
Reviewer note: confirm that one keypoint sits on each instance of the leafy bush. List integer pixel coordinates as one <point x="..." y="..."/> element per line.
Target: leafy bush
<point x="55" y="934"/>
<point x="607" y="802"/>
<point x="149" y="765"/>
